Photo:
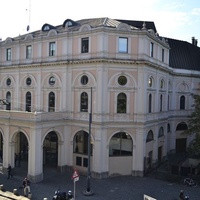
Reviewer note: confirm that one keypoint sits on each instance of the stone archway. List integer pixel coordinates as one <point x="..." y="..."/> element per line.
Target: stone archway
<point x="50" y="150"/>
<point x="21" y="152"/>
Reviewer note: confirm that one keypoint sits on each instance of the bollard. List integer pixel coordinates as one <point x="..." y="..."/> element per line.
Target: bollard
<point x="45" y="199"/>
<point x="15" y="191"/>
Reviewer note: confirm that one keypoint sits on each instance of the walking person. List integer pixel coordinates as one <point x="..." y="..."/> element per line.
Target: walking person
<point x="26" y="184"/>
<point x="9" y="170"/>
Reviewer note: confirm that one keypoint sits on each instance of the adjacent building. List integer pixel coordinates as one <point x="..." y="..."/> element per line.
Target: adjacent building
<point x="115" y="80"/>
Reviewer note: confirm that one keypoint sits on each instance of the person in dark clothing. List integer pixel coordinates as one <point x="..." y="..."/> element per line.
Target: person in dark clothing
<point x="26" y="184"/>
<point x="181" y="195"/>
<point x="9" y="170"/>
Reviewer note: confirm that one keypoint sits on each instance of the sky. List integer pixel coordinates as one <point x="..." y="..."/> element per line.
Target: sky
<point x="177" y="19"/>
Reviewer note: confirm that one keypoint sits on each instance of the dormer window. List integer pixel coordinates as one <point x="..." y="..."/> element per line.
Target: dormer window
<point x="68" y="23"/>
<point x="46" y="28"/>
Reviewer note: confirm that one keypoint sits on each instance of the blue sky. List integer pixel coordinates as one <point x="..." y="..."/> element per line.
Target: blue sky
<point x="178" y="19"/>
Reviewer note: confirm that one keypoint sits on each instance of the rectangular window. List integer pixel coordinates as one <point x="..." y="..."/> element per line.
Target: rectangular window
<point x="151" y="49"/>
<point x="163" y="55"/>
<point x="28" y="51"/>
<point x="52" y="49"/>
<point x="8" y="54"/>
<point x="84" y="45"/>
<point x="123" y="45"/>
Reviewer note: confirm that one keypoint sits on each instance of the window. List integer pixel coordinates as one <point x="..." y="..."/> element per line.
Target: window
<point x="150" y="82"/>
<point x="161" y="102"/>
<point x="8" y="82"/>
<point x="163" y="55"/>
<point x="182" y="103"/>
<point x="84" y="102"/>
<point x="123" y="45"/>
<point x="8" y="54"/>
<point x="52" y="49"/>
<point x="122" y="80"/>
<point x="28" y="102"/>
<point x="150" y="102"/>
<point x="161" y="84"/>
<point x="51" y="102"/>
<point x="8" y="99"/>
<point x="52" y="80"/>
<point x="151" y="49"/>
<point x="84" y="80"/>
<point x="161" y="132"/>
<point x="121" y="103"/>
<point x="168" y="128"/>
<point x="149" y="136"/>
<point x="121" y="144"/>
<point x="80" y="143"/>
<point x="28" y="51"/>
<point x="181" y="126"/>
<point x="28" y="81"/>
<point x="84" y="45"/>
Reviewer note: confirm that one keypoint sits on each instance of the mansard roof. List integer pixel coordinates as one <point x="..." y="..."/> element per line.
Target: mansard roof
<point x="183" y="55"/>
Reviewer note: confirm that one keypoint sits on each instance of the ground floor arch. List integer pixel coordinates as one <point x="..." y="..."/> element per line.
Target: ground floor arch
<point x="50" y="150"/>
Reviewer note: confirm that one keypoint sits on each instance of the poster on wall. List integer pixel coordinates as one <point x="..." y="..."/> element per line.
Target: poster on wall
<point x="146" y="197"/>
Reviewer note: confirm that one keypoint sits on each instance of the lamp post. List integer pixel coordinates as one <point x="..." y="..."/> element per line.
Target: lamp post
<point x="88" y="191"/>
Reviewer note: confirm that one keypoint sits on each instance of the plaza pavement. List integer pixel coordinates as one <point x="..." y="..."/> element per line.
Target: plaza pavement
<point x="114" y="188"/>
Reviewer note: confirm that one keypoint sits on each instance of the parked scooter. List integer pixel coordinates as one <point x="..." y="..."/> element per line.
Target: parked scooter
<point x="63" y="195"/>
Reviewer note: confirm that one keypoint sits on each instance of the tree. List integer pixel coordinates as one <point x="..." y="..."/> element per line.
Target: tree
<point x="194" y="129"/>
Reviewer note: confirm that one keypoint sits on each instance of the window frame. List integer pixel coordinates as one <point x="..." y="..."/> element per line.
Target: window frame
<point x="8" y="54"/>
<point x="123" y="47"/>
<point x="151" y="49"/>
<point x="85" y="45"/>
<point x="121" y="103"/>
<point x="28" y="51"/>
<point x="52" y="48"/>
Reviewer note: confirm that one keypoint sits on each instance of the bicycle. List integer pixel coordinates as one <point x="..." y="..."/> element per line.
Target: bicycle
<point x="190" y="182"/>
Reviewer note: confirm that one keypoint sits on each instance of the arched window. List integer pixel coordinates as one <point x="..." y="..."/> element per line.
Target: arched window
<point x="161" y="102"/>
<point x="181" y="126"/>
<point x="182" y="103"/>
<point x="51" y="102"/>
<point x="84" y="102"/>
<point x="28" y="102"/>
<point x="80" y="143"/>
<point x="150" y="82"/>
<point x="150" y="102"/>
<point x="8" y="99"/>
<point x="121" y="103"/>
<point x="121" y="144"/>
<point x="149" y="136"/>
<point x="161" y="132"/>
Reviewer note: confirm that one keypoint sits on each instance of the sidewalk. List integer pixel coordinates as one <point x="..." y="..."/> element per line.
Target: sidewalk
<point x="117" y="188"/>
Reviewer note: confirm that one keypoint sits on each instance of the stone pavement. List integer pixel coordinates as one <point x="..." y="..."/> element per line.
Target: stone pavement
<point x="115" y="188"/>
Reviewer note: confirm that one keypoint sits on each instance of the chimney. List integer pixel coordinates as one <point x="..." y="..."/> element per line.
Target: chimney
<point x="194" y="41"/>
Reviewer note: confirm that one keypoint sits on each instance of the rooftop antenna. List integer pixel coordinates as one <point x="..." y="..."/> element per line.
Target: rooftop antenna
<point x="29" y="19"/>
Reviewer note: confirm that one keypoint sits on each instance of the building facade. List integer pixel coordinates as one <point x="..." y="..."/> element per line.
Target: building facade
<point x="117" y="72"/>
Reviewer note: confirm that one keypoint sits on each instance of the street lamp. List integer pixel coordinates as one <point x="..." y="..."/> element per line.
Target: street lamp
<point x="88" y="191"/>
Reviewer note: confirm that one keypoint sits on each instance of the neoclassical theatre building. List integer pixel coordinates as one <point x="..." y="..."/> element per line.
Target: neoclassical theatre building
<point x="134" y="83"/>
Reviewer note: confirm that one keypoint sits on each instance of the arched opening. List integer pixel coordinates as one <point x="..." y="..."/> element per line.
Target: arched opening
<point x="50" y="150"/>
<point x="21" y="153"/>
<point x="120" y="154"/>
<point x="80" y="150"/>
<point x="181" y="140"/>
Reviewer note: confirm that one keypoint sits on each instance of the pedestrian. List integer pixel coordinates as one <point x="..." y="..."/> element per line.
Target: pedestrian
<point x="26" y="184"/>
<point x="9" y="170"/>
<point x="181" y="195"/>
